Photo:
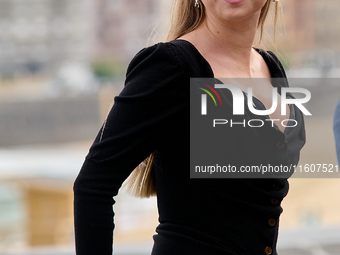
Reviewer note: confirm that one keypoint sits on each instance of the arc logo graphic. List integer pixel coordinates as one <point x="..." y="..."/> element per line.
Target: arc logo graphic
<point x="204" y="97"/>
<point x="238" y="99"/>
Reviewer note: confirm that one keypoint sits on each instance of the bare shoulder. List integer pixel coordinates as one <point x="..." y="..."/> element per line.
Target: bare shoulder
<point x="193" y="38"/>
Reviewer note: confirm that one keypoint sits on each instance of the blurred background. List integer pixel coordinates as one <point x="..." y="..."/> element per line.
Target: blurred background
<point x="61" y="64"/>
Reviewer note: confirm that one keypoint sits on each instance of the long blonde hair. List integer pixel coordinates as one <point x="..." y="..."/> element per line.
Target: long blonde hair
<point x="185" y="17"/>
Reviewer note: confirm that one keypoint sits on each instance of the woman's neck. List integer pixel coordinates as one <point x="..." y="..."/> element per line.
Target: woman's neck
<point x="234" y="39"/>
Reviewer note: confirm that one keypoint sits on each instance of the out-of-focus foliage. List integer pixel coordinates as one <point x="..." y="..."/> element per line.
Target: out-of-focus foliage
<point x="108" y="69"/>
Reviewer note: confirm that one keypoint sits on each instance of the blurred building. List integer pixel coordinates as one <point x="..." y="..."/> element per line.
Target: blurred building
<point x="123" y="26"/>
<point x="327" y="23"/>
<point x="308" y="33"/>
<point x="38" y="35"/>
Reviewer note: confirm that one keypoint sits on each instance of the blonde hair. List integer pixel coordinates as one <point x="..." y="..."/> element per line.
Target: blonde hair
<point x="185" y="17"/>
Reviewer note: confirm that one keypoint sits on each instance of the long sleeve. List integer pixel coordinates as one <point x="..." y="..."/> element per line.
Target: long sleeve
<point x="141" y="117"/>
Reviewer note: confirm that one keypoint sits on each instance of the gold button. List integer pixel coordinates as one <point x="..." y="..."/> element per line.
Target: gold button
<point x="272" y="222"/>
<point x="274" y="201"/>
<point x="280" y="145"/>
<point x="268" y="250"/>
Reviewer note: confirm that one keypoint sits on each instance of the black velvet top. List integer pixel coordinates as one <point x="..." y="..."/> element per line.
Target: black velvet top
<point x="197" y="216"/>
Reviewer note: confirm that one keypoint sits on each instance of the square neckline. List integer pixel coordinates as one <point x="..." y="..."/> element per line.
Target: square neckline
<point x="272" y="66"/>
<point x="269" y="62"/>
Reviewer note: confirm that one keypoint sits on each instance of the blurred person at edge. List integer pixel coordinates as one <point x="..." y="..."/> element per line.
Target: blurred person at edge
<point x="150" y="123"/>
<point x="336" y="127"/>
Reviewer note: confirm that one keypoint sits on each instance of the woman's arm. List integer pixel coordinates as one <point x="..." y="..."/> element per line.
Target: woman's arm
<point x="336" y="128"/>
<point x="142" y="116"/>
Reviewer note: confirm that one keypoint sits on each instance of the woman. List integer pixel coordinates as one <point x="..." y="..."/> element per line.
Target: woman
<point x="151" y="116"/>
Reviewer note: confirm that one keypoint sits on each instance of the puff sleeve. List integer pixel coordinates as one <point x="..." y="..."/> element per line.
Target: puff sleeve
<point x="141" y="117"/>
